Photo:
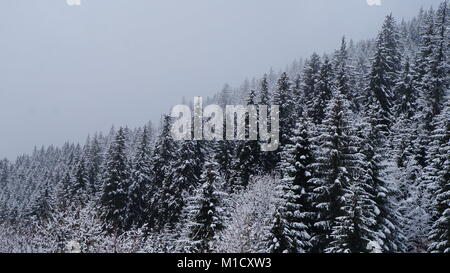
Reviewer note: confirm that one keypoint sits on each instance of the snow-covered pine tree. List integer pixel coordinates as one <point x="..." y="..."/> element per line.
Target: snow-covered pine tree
<point x="94" y="164"/>
<point x="297" y="96"/>
<point x="324" y="89"/>
<point x="79" y="183"/>
<point x="267" y="159"/>
<point x="355" y="228"/>
<point x="336" y="193"/>
<point x="310" y="79"/>
<point x="343" y="73"/>
<point x="141" y="178"/>
<point x="385" y="69"/>
<point x="223" y="151"/>
<point x="279" y="240"/>
<point x="440" y="59"/>
<point x="406" y="92"/>
<point x="386" y="225"/>
<point x="283" y="98"/>
<point x="332" y="176"/>
<point x="439" y="172"/>
<point x="422" y="80"/>
<point x="164" y="156"/>
<point x="248" y="153"/>
<point x="114" y="199"/>
<point x="353" y="231"/>
<point x="206" y="210"/>
<point x="296" y="211"/>
<point x="182" y="181"/>
<point x="264" y="92"/>
<point x="42" y="206"/>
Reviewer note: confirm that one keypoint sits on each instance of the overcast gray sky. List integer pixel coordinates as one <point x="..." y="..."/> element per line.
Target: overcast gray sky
<point x="68" y="71"/>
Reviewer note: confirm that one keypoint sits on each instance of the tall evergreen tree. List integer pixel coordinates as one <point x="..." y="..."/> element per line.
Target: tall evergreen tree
<point x="283" y="98"/>
<point x="333" y="175"/>
<point x="324" y="88"/>
<point x="387" y="220"/>
<point x="182" y="182"/>
<point x="79" y="183"/>
<point x="141" y="178"/>
<point x="267" y="159"/>
<point x="310" y="78"/>
<point x="205" y="210"/>
<point x="248" y="152"/>
<point x="342" y="71"/>
<point x="385" y="68"/>
<point x="114" y="199"/>
<point x="406" y="102"/>
<point x="94" y="164"/>
<point x="440" y="63"/>
<point x="164" y="157"/>
<point x="439" y="179"/>
<point x="342" y="193"/>
<point x="296" y="212"/>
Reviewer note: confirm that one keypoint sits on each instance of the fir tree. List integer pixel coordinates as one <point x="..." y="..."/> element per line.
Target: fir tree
<point x="139" y="183"/>
<point x="386" y="222"/>
<point x="114" y="199"/>
<point x="248" y="152"/>
<point x="406" y="102"/>
<point x="264" y="93"/>
<point x="297" y="211"/>
<point x="343" y="192"/>
<point x="333" y="170"/>
<point x="279" y="240"/>
<point x="205" y="210"/>
<point x="324" y="88"/>
<point x="283" y="98"/>
<point x="163" y="160"/>
<point x="440" y="183"/>
<point x="440" y="63"/>
<point x="267" y="159"/>
<point x="79" y="183"/>
<point x="181" y="182"/>
<point x="342" y="71"/>
<point x="94" y="164"/>
<point x="385" y="68"/>
<point x="310" y="79"/>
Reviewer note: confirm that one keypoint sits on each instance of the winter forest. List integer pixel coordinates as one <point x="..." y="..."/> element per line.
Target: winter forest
<point x="363" y="165"/>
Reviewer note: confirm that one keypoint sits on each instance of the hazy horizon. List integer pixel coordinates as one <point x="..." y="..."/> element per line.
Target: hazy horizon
<point x="66" y="72"/>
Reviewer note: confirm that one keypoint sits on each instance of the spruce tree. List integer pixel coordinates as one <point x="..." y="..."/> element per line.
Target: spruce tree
<point x="79" y="183"/>
<point x="141" y="178"/>
<point x="439" y="180"/>
<point x="248" y="152"/>
<point x="94" y="164"/>
<point x="343" y="73"/>
<point x="324" y="88"/>
<point x="205" y="210"/>
<point x="406" y="102"/>
<point x="267" y="159"/>
<point x="386" y="225"/>
<point x="280" y="239"/>
<point x="310" y="78"/>
<point x="440" y="63"/>
<point x="182" y="182"/>
<point x="385" y="68"/>
<point x="114" y="199"/>
<point x="283" y="98"/>
<point x="343" y="188"/>
<point x="164" y="157"/>
<point x="296" y="211"/>
<point x="333" y="170"/>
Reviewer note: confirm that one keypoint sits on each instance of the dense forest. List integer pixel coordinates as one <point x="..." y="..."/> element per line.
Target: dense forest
<point x="363" y="165"/>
